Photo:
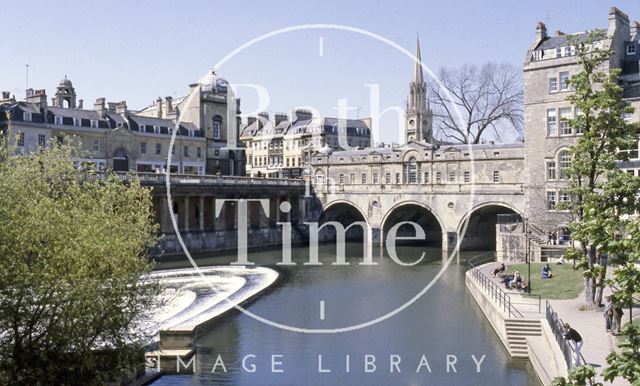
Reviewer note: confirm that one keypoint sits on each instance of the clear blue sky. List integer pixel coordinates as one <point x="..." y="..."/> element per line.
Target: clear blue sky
<point x="139" y="50"/>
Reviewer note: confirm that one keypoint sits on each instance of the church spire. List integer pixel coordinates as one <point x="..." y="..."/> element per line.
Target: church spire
<point x="417" y="69"/>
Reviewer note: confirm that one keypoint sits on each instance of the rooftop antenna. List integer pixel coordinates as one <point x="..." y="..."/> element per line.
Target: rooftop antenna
<point x="27" y="77"/>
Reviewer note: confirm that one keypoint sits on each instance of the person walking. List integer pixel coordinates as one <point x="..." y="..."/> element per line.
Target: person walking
<point x="617" y="319"/>
<point x="554" y="237"/>
<point x="572" y="334"/>
<point x="608" y="313"/>
<point x="549" y="238"/>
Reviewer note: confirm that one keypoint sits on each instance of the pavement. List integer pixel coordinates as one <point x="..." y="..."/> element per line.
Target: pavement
<point x="598" y="343"/>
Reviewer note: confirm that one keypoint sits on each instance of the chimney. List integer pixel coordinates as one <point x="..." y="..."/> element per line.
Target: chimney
<point x="279" y="118"/>
<point x="635" y="29"/>
<point x="541" y="31"/>
<point x="39" y="97"/>
<point x="80" y="103"/>
<point x="169" y="104"/>
<point x="617" y="20"/>
<point x="121" y="107"/>
<point x="112" y="107"/>
<point x="302" y="114"/>
<point x="560" y="33"/>
<point x="159" y="103"/>
<point x="6" y="95"/>
<point x="99" y="105"/>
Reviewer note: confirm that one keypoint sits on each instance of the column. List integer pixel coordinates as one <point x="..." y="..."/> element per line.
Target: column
<point x="201" y="213"/>
<point x="164" y="214"/>
<point x="186" y="213"/>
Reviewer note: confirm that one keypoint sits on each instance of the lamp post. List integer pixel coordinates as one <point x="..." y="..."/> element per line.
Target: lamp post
<point x="527" y="246"/>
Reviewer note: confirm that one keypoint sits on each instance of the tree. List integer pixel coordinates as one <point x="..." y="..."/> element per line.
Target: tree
<point x="72" y="270"/>
<point x="578" y="376"/>
<point x="490" y="99"/>
<point x="626" y="363"/>
<point x="602" y="196"/>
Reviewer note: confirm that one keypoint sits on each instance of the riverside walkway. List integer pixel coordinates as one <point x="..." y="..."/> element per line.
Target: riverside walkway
<point x="590" y="324"/>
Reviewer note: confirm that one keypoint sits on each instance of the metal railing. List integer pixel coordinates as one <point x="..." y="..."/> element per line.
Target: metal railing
<point x="188" y="179"/>
<point x="568" y="351"/>
<point x="500" y="296"/>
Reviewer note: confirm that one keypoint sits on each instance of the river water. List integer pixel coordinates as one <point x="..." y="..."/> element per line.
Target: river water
<point x="437" y="340"/>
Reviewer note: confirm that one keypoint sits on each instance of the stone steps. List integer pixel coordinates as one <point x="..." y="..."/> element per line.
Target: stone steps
<point x="517" y="332"/>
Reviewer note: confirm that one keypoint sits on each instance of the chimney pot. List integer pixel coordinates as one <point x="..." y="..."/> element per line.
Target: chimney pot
<point x="80" y="103"/>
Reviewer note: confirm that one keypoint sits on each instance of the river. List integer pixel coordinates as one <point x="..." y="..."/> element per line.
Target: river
<point x="442" y="338"/>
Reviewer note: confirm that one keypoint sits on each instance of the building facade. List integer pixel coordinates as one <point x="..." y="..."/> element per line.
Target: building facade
<point x="282" y="147"/>
<point x="112" y="136"/>
<point x="549" y="63"/>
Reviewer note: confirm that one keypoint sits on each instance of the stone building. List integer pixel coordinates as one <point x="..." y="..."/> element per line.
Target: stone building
<point x="549" y="63"/>
<point x="112" y="136"/>
<point x="281" y="147"/>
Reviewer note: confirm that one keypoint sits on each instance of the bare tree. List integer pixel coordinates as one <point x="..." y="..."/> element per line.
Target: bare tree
<point x="489" y="100"/>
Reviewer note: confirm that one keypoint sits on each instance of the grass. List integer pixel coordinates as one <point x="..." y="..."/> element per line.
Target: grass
<point x="566" y="283"/>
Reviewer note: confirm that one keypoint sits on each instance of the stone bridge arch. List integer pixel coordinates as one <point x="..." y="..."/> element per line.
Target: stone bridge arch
<point x="423" y="215"/>
<point x="482" y="217"/>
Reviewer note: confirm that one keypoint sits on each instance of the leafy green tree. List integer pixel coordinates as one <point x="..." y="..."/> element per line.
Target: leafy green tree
<point x="578" y="376"/>
<point x="603" y="196"/>
<point x="73" y="266"/>
<point x="626" y="362"/>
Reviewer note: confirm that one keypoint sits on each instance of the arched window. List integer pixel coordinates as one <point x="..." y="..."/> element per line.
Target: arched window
<point x="564" y="161"/>
<point x="411" y="171"/>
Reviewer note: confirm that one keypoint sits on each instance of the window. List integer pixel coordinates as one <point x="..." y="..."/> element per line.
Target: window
<point x="27" y="117"/>
<point x="551" y="200"/>
<point x="467" y="176"/>
<point x="42" y="140"/>
<point x="438" y="177"/>
<point x="158" y="148"/>
<point x="397" y="178"/>
<point x="143" y="147"/>
<point x="20" y="139"/>
<point x="564" y="161"/>
<point x="375" y="178"/>
<point x="553" y="84"/>
<point x="411" y="171"/>
<point x="94" y="123"/>
<point x="364" y="178"/>
<point x="319" y="178"/>
<point x="352" y="178"/>
<point x="564" y="77"/>
<point x="496" y="176"/>
<point x="57" y="120"/>
<point x="185" y="151"/>
<point x="565" y="114"/>
<point x="216" y="130"/>
<point x="77" y="122"/>
<point x="564" y="198"/>
<point x="387" y="178"/>
<point x="96" y="145"/>
<point x="551" y="170"/>
<point x="341" y="179"/>
<point x="551" y="123"/>
<point x="142" y="128"/>
<point x="452" y="176"/>
<point x="426" y="177"/>
<point x="199" y="152"/>
<point x="631" y="49"/>
<point x="578" y="114"/>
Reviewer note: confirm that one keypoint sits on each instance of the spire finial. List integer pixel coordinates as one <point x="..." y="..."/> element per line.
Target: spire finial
<point x="417" y="69"/>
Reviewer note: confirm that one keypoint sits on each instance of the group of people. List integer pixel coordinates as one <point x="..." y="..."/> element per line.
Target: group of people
<point x="612" y="317"/>
<point x="552" y="238"/>
<point x="515" y="282"/>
